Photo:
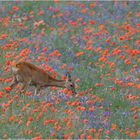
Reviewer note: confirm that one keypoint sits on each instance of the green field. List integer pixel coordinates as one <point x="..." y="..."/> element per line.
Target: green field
<point x="98" y="42"/>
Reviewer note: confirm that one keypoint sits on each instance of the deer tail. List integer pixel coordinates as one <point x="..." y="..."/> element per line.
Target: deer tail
<point x="15" y="69"/>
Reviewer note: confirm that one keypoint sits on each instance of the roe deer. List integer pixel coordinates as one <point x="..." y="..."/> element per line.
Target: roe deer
<point x="27" y="73"/>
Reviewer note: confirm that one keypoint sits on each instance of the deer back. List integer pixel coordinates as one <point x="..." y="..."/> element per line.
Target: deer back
<point x="27" y="71"/>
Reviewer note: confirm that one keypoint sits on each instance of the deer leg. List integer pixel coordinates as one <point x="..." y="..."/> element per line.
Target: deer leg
<point x="37" y="90"/>
<point x="24" y="87"/>
<point x="14" y="82"/>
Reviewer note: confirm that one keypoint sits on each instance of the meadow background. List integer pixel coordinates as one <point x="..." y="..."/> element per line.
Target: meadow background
<point x="98" y="42"/>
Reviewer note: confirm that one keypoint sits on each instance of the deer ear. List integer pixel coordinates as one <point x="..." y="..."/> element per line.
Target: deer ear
<point x="68" y="76"/>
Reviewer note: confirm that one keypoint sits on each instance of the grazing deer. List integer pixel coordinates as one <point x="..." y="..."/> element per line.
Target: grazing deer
<point x="27" y="73"/>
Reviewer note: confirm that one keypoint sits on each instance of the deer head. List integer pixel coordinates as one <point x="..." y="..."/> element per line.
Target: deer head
<point x="69" y="83"/>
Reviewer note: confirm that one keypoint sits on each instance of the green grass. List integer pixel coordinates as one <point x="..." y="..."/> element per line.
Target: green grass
<point x="88" y="68"/>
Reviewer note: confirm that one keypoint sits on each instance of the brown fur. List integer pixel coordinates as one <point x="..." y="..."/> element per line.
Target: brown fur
<point x="27" y="73"/>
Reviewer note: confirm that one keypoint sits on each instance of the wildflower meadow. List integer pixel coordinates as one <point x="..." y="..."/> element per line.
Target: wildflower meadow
<point x="98" y="43"/>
